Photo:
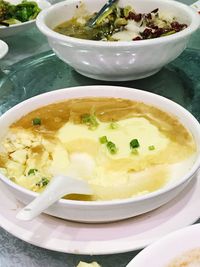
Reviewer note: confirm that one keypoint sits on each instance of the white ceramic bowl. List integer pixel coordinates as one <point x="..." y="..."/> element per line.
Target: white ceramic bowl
<point x="164" y="251"/>
<point x="3" y="49"/>
<point x="17" y="28"/>
<point x="102" y="211"/>
<point x="117" y="61"/>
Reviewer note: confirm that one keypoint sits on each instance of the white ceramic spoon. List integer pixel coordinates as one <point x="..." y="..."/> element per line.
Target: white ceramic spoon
<point x="60" y="186"/>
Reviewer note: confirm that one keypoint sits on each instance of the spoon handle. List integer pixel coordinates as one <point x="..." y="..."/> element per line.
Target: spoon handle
<point x="102" y="10"/>
<point x="57" y="188"/>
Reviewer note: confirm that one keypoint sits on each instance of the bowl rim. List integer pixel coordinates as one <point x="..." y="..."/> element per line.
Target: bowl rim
<point x="40" y="22"/>
<point x="113" y="90"/>
<point x="17" y="25"/>
<point x="4" y="49"/>
<point x="163" y="244"/>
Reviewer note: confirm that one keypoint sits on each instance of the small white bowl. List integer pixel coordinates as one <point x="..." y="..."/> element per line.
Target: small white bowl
<point x="17" y="28"/>
<point x="105" y="211"/>
<point x="118" y="61"/>
<point x="172" y="246"/>
<point x="3" y="49"/>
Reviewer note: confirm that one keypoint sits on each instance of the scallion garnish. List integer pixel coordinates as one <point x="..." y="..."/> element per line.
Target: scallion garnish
<point x="103" y="139"/>
<point x="113" y="125"/>
<point x="134" y="144"/>
<point x="36" y="121"/>
<point x="90" y="121"/>
<point x="111" y="147"/>
<point x="32" y="171"/>
<point x="151" y="147"/>
<point x="43" y="182"/>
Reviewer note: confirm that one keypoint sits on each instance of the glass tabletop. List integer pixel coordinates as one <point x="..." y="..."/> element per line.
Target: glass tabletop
<point x="45" y="72"/>
<point x="31" y="68"/>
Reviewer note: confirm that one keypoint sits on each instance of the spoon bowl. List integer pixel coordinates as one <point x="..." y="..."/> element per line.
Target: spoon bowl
<point x="60" y="186"/>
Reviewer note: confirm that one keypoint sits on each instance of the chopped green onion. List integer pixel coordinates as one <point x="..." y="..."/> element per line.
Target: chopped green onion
<point x="32" y="171"/>
<point x="43" y="182"/>
<point x="90" y="121"/>
<point x="103" y="139"/>
<point x="151" y="147"/>
<point x="134" y="143"/>
<point x="111" y="147"/>
<point x="113" y="125"/>
<point x="36" y="121"/>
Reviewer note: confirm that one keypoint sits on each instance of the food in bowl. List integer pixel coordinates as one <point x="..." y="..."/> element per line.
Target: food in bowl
<point x="135" y="148"/>
<point x="189" y="258"/>
<point x="14" y="14"/>
<point x="116" y="209"/>
<point x="117" y="60"/>
<point x="121" y="24"/>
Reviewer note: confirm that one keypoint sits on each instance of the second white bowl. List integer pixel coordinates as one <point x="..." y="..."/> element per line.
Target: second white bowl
<point x="118" y="61"/>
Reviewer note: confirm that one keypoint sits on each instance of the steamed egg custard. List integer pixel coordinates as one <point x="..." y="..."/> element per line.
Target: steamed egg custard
<point x="128" y="147"/>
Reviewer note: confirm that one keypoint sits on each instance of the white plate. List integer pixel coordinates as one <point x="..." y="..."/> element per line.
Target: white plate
<point x="17" y="28"/>
<point x="95" y="239"/>
<point x="176" y="244"/>
<point x="3" y="49"/>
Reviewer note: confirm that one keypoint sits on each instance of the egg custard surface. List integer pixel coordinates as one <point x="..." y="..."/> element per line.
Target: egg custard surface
<point x="129" y="148"/>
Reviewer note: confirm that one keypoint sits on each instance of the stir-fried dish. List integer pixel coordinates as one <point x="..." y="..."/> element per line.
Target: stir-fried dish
<point x="14" y="14"/>
<point x="121" y="24"/>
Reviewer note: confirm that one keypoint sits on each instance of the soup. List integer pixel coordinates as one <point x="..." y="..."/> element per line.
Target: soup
<point x="121" y="24"/>
<point x="134" y="148"/>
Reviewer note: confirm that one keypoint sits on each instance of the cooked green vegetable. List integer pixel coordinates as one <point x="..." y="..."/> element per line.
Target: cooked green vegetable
<point x="5" y="10"/>
<point x="103" y="29"/>
<point x="135" y="26"/>
<point x="14" y="14"/>
<point x="126" y="10"/>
